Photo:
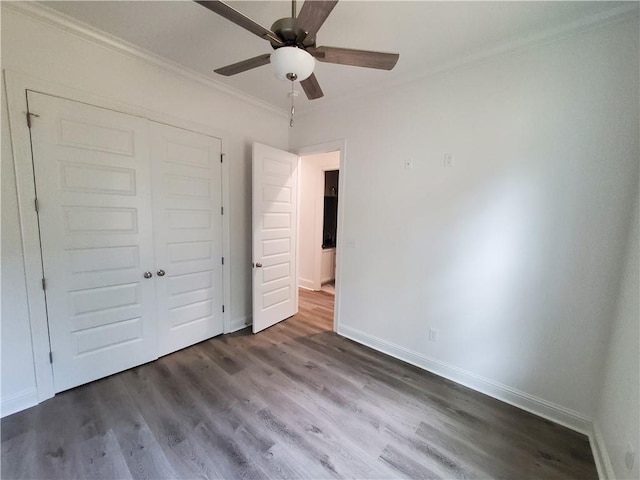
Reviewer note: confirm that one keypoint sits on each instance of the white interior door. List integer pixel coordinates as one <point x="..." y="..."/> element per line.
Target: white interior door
<point x="187" y="225"/>
<point x="93" y="185"/>
<point x="275" y="189"/>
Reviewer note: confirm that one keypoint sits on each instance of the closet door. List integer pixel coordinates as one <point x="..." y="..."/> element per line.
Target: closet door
<point x="92" y="176"/>
<point x="187" y="223"/>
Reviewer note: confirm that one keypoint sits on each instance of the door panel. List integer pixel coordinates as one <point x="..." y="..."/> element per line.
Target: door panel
<point x="275" y="295"/>
<point x="92" y="177"/>
<point x="187" y="224"/>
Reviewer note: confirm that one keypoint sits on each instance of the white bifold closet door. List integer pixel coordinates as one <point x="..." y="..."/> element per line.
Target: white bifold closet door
<point x="113" y="212"/>
<point x="92" y="172"/>
<point x="187" y="230"/>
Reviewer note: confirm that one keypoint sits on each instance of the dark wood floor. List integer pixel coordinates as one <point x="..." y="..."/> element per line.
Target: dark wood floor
<point x="295" y="401"/>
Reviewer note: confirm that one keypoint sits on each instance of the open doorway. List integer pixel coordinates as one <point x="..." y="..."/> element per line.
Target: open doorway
<point x="329" y="232"/>
<point x="318" y="212"/>
<point x="278" y="228"/>
<point x="318" y="226"/>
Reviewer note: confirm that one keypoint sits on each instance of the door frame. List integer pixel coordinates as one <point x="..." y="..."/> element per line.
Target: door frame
<point x="16" y="85"/>
<point x="327" y="147"/>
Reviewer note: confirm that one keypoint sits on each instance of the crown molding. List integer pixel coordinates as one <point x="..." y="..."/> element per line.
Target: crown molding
<point x="46" y="15"/>
<point x="614" y="15"/>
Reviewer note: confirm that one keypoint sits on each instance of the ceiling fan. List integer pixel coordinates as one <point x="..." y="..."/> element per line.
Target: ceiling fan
<point x="294" y="41"/>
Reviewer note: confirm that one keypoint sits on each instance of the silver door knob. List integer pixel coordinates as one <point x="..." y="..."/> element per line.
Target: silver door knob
<point x="148" y="274"/>
<point x="258" y="265"/>
<point x="161" y="273"/>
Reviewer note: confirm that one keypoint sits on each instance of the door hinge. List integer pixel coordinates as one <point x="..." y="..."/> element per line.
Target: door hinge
<point x="221" y="157"/>
<point x="44" y="283"/>
<point x="222" y="308"/>
<point x="221" y="210"/>
<point x="50" y="357"/>
<point x="29" y="115"/>
<point x="37" y="205"/>
<point x="222" y="260"/>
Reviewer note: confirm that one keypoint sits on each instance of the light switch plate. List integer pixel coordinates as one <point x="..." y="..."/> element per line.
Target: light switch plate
<point x="449" y="159"/>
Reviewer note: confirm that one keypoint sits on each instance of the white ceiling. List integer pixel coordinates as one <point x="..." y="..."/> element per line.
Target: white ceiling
<point x="426" y="34"/>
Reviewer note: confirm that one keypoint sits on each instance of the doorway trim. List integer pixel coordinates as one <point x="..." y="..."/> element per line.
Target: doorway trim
<point x="16" y="85"/>
<point x="327" y="147"/>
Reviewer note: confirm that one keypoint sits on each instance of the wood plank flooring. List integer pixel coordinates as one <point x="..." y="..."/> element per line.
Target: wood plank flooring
<point x="295" y="401"/>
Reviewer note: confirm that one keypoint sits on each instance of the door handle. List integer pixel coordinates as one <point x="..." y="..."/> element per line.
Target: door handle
<point x="258" y="265"/>
<point x="161" y="273"/>
<point x="148" y="274"/>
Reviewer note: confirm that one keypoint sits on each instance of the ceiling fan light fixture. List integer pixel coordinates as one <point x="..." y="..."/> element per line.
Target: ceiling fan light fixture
<point x="292" y="63"/>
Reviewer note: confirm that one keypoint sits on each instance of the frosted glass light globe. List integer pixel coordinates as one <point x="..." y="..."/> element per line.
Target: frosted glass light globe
<point x="293" y="60"/>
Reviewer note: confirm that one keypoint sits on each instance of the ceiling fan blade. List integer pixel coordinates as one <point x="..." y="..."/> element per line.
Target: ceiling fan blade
<point x="357" y="58"/>
<point x="311" y="87"/>
<point x="240" y="19"/>
<point x="312" y="15"/>
<point x="244" y="65"/>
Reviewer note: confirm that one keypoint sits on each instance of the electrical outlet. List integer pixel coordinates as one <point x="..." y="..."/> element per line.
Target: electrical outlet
<point x="630" y="457"/>
<point x="449" y="159"/>
<point x="434" y="334"/>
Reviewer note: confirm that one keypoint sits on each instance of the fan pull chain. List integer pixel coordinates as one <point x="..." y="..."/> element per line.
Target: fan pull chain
<point x="293" y="95"/>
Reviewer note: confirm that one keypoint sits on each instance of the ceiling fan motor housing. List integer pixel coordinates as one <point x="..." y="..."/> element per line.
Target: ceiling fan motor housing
<point x="286" y="30"/>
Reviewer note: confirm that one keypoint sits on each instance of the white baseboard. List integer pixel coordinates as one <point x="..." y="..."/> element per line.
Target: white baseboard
<point x="304" y="283"/>
<point x="239" y="323"/>
<point x="18" y="401"/>
<point x="600" y="454"/>
<point x="537" y="406"/>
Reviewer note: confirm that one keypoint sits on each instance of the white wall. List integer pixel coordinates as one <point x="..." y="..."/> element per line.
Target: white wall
<point x="43" y="51"/>
<point x="618" y="418"/>
<point x="514" y="253"/>
<point x="311" y="195"/>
